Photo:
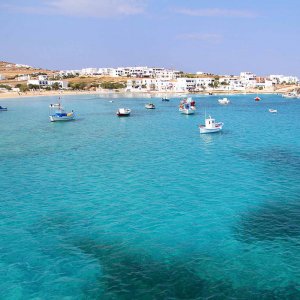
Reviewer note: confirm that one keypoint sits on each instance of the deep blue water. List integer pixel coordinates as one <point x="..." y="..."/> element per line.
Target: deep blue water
<point x="147" y="208"/>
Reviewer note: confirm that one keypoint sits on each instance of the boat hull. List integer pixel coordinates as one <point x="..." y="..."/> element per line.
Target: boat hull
<point x="187" y="111"/>
<point x="61" y="119"/>
<point x="123" y="115"/>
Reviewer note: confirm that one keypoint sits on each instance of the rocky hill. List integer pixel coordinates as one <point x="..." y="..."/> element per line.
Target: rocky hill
<point x="12" y="70"/>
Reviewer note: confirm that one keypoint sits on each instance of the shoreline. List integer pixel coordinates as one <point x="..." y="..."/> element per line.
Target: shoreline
<point x="16" y="95"/>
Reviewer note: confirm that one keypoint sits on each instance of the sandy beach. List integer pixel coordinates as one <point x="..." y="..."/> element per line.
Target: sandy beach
<point x="42" y="93"/>
<point x="7" y="95"/>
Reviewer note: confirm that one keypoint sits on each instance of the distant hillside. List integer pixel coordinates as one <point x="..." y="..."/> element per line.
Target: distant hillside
<point x="11" y="70"/>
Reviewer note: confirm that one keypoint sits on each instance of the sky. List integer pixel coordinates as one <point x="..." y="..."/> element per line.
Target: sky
<point x="220" y="37"/>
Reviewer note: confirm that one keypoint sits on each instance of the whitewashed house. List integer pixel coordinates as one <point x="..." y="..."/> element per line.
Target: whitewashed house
<point x="280" y="79"/>
<point x="43" y="82"/>
<point x="23" y="77"/>
<point x="248" y="79"/>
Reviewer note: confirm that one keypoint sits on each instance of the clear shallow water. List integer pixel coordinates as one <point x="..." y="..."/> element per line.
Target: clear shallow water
<point x="146" y="208"/>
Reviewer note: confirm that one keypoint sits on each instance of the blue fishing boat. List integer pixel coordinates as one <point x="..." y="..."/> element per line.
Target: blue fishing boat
<point x="58" y="114"/>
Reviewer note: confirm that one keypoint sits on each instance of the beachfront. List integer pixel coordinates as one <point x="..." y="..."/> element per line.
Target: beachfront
<point x="46" y="93"/>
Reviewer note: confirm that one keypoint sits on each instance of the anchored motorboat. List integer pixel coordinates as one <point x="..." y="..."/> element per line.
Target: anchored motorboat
<point x="150" y="106"/>
<point x="224" y="101"/>
<point x="3" y="108"/>
<point x="166" y="99"/>
<point x="123" y="112"/>
<point x="210" y="126"/>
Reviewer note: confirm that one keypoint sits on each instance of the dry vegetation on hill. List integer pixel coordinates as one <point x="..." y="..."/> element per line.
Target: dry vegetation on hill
<point x="10" y="70"/>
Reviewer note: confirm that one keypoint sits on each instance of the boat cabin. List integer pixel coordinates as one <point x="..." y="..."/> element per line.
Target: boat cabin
<point x="210" y="123"/>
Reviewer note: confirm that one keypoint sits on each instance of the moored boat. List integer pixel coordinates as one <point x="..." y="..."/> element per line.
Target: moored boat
<point x="187" y="106"/>
<point x="3" y="108"/>
<point x="58" y="114"/>
<point x="291" y="95"/>
<point x="224" y="101"/>
<point x="210" y="126"/>
<point x="257" y="98"/>
<point x="150" y="106"/>
<point x="273" y="111"/>
<point x="165" y="99"/>
<point x="123" y="112"/>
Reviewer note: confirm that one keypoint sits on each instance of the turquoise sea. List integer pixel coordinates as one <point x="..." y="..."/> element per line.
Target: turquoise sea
<point x="147" y="208"/>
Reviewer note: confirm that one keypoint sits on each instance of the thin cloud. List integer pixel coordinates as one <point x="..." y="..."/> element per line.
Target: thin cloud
<point x="84" y="8"/>
<point x="215" y="12"/>
<point x="208" y="37"/>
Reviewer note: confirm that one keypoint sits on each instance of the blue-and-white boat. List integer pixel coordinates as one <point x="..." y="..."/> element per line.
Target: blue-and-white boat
<point x="58" y="114"/>
<point x="3" y="108"/>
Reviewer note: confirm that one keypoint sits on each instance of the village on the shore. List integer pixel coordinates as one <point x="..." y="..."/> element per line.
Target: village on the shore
<point x="16" y="78"/>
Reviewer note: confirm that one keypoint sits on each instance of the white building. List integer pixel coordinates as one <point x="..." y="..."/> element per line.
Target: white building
<point x="23" y="77"/>
<point x="279" y="79"/>
<point x="89" y="71"/>
<point x="43" y="82"/>
<point x="23" y="66"/>
<point x="138" y="72"/>
<point x="2" y="77"/>
<point x="69" y="72"/>
<point x="248" y="79"/>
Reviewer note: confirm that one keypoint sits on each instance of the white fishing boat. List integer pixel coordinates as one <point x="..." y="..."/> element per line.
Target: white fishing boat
<point x="273" y="111"/>
<point x="210" y="126"/>
<point x="165" y="99"/>
<point x="150" y="106"/>
<point x="3" y="108"/>
<point x="123" y="112"/>
<point x="58" y="113"/>
<point x="187" y="106"/>
<point x="224" y="101"/>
